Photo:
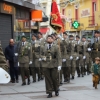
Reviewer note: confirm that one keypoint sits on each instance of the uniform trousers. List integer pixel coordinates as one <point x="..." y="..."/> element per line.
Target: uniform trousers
<point x="51" y="79"/>
<point x="24" y="70"/>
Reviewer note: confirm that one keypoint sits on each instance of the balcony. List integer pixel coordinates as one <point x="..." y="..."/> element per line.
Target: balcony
<point x="91" y="20"/>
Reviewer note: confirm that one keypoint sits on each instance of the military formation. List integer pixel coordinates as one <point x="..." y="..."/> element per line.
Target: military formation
<point x="56" y="57"/>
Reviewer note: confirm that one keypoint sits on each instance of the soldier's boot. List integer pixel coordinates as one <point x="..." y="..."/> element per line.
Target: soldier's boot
<point x="57" y="93"/>
<point x="95" y="85"/>
<point x="50" y="95"/>
<point x="28" y="83"/>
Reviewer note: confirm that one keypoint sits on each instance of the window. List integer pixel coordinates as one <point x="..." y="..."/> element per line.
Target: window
<point x="63" y="11"/>
<point x="26" y="24"/>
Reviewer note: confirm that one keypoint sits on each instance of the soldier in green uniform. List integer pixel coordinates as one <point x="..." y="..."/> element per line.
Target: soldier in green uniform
<point x="41" y="42"/>
<point x="36" y="58"/>
<point x="3" y="62"/>
<point x="51" y="63"/>
<point x="96" y="46"/>
<point x="24" y="59"/>
<point x="85" y="55"/>
<point x="64" y="54"/>
<point x="79" y="58"/>
<point x="72" y="55"/>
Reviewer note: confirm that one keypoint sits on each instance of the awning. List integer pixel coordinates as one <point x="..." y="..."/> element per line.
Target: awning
<point x="44" y="30"/>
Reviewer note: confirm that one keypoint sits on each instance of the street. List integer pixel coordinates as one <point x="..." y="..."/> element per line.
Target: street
<point x="77" y="89"/>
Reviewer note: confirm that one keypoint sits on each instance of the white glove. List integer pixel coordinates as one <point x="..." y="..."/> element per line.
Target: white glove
<point x="59" y="68"/>
<point x="16" y="54"/>
<point x="71" y="57"/>
<point x="62" y="38"/>
<point x="30" y="62"/>
<point x="18" y="63"/>
<point x="40" y="59"/>
<point x="84" y="57"/>
<point x="64" y="60"/>
<point x="89" y="49"/>
<point x="77" y="58"/>
<point x="44" y="58"/>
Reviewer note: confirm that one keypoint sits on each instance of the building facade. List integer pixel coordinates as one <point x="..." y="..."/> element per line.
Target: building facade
<point x="15" y="19"/>
<point x="85" y="12"/>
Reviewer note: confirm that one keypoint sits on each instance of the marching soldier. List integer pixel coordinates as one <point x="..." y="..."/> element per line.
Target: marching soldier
<point x="96" y="46"/>
<point x="41" y="42"/>
<point x="86" y="55"/>
<point x="72" y="55"/>
<point x="51" y="63"/>
<point x="79" y="58"/>
<point x="36" y="55"/>
<point x="24" y="58"/>
<point x="65" y="66"/>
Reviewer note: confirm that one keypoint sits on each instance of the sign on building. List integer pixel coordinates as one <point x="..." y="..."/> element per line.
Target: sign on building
<point x="85" y="12"/>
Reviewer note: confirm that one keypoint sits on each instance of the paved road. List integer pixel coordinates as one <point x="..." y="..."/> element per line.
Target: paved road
<point x="77" y="89"/>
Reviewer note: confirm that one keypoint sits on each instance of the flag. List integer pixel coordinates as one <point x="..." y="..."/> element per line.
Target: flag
<point x="55" y="19"/>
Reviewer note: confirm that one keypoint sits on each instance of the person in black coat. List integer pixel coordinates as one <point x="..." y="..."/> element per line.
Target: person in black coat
<point x="11" y="56"/>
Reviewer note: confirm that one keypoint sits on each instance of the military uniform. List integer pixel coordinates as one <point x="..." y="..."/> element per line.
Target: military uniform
<point x="79" y="61"/>
<point x="72" y="57"/>
<point x="51" y="60"/>
<point x="41" y="43"/>
<point x="65" y="60"/>
<point x="24" y="57"/>
<point x="86" y="54"/>
<point x="36" y="62"/>
<point x="96" y="49"/>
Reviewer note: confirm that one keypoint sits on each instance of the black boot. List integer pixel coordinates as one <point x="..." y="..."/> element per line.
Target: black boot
<point x="78" y="75"/>
<point x="57" y="93"/>
<point x="50" y="95"/>
<point x="28" y="83"/>
<point x="72" y="77"/>
<point x="23" y="84"/>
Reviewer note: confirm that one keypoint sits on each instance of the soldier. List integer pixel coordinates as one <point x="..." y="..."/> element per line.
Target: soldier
<point x="24" y="58"/>
<point x="41" y="42"/>
<point x="51" y="59"/>
<point x="86" y="55"/>
<point x="96" y="46"/>
<point x="72" y="55"/>
<point x="79" y="59"/>
<point x="3" y="62"/>
<point x="36" y="55"/>
<point x="65" y="66"/>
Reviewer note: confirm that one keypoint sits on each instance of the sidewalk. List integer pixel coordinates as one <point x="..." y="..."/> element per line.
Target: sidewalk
<point x="77" y="89"/>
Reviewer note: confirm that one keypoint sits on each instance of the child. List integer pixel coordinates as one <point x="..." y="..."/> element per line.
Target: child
<point x="95" y="70"/>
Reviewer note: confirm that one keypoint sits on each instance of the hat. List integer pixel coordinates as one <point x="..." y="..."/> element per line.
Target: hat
<point x="34" y="35"/>
<point x="40" y="33"/>
<point x="97" y="32"/>
<point x="23" y="36"/>
<point x="65" y="33"/>
<point x="77" y="36"/>
<point x="97" y="58"/>
<point x="71" y="36"/>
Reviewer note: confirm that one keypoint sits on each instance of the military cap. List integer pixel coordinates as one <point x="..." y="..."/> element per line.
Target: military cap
<point x="40" y="33"/>
<point x="50" y="36"/>
<point x="83" y="37"/>
<point x="77" y="36"/>
<point x="71" y="36"/>
<point x="34" y="35"/>
<point x="23" y="36"/>
<point x="65" y="33"/>
<point x="97" y="58"/>
<point x="97" y="32"/>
